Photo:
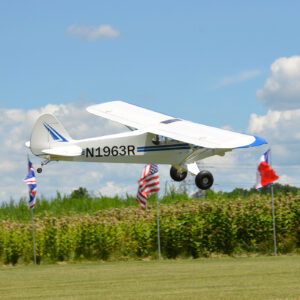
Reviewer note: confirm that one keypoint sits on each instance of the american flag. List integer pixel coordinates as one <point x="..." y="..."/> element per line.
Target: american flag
<point x="31" y="182"/>
<point x="148" y="183"/>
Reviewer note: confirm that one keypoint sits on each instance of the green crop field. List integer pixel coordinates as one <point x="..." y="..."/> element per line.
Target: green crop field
<point x="214" y="278"/>
<point x="188" y="228"/>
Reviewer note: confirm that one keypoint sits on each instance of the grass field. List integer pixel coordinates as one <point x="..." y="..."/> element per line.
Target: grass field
<point x="217" y="278"/>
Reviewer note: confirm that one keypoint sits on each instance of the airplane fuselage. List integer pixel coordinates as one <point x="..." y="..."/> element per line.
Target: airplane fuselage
<point x="130" y="147"/>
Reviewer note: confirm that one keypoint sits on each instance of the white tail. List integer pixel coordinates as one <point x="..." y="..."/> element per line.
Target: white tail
<point x="48" y="133"/>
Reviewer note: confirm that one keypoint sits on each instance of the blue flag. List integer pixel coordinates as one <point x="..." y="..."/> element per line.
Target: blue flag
<point x="31" y="182"/>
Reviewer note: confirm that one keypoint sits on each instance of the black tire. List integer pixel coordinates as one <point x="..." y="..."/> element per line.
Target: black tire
<point x="176" y="175"/>
<point x="204" y="180"/>
<point x="39" y="170"/>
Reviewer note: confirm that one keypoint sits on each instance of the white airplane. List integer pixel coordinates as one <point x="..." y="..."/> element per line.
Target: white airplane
<point x="154" y="138"/>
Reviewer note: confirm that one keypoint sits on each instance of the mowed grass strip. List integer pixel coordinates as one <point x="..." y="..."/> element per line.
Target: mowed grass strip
<point x="217" y="278"/>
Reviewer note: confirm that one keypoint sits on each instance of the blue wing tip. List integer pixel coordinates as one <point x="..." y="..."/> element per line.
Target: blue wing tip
<point x="258" y="141"/>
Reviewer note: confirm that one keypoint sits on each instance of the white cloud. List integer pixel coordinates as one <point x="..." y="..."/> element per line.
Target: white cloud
<point x="7" y="166"/>
<point x="237" y="78"/>
<point x="93" y="33"/>
<point x="112" y="188"/>
<point x="282" y="89"/>
<point x="279" y="126"/>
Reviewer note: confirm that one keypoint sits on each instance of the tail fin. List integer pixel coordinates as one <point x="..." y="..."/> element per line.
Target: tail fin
<point x="48" y="133"/>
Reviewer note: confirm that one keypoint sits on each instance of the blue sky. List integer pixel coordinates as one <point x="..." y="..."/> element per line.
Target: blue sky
<point x="199" y="60"/>
<point x="167" y="53"/>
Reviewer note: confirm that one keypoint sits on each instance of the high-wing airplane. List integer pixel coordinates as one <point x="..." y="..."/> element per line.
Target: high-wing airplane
<point x="154" y="138"/>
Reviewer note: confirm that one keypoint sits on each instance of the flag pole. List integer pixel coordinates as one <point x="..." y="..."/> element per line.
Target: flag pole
<point x="32" y="220"/>
<point x="273" y="213"/>
<point x="158" y="232"/>
<point x="149" y="183"/>
<point x="33" y="237"/>
<point x="274" y="224"/>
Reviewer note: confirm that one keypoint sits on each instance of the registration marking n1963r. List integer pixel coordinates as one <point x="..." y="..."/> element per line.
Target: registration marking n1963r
<point x="110" y="151"/>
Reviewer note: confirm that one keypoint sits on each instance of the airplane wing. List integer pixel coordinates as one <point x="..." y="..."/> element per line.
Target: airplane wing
<point x="127" y="114"/>
<point x="174" y="128"/>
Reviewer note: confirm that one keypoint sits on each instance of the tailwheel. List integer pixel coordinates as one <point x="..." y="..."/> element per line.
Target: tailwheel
<point x="204" y="180"/>
<point x="43" y="163"/>
<point x="177" y="175"/>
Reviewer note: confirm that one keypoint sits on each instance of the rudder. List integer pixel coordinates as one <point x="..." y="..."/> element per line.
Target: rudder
<point x="47" y="133"/>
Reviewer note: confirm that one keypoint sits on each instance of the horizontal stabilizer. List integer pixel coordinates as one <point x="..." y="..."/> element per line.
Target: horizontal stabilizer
<point x="71" y="150"/>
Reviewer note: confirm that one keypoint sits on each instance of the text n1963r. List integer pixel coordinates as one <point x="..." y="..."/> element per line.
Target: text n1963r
<point x="110" y="151"/>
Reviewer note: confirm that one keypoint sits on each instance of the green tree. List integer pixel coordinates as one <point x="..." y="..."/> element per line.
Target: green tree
<point x="80" y="193"/>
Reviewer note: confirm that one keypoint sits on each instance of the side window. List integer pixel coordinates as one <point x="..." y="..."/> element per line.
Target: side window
<point x="159" y="140"/>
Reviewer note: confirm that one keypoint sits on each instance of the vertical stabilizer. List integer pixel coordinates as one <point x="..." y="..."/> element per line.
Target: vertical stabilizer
<point x="48" y="133"/>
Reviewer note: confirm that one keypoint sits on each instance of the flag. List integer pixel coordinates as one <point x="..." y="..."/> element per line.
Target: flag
<point x="31" y="182"/>
<point x="148" y="183"/>
<point x="265" y="174"/>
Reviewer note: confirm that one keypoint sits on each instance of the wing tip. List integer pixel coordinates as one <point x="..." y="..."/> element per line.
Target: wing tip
<point x="257" y="142"/>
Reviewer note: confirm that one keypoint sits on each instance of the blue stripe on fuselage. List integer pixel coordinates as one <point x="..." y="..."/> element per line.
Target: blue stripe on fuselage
<point x="163" y="148"/>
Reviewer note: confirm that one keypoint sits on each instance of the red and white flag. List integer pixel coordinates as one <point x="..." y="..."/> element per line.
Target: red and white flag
<point x="148" y="183"/>
<point x="265" y="174"/>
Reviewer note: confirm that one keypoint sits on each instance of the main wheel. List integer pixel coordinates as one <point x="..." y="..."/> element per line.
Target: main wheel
<point x="204" y="180"/>
<point x="176" y="175"/>
<point x="39" y="170"/>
